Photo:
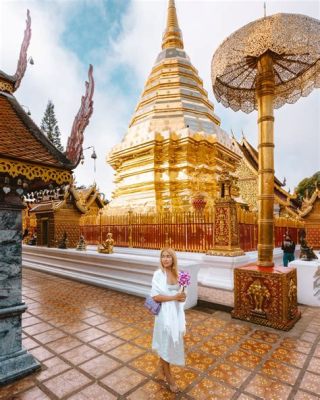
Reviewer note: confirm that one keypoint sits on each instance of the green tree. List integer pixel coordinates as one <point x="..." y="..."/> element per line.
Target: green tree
<point x="308" y="185"/>
<point x="49" y="126"/>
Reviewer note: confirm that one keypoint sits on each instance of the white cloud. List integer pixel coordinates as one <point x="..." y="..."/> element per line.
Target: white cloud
<point x="59" y="75"/>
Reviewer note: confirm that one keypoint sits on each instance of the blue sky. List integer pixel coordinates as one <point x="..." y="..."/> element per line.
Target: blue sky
<point x="122" y="39"/>
<point x="92" y="26"/>
<point x="91" y="30"/>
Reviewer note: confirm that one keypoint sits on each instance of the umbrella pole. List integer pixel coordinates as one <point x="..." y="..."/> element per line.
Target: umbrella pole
<point x="265" y="94"/>
<point x="272" y="290"/>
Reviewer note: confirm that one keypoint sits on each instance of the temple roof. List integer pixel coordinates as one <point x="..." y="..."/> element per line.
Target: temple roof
<point x="23" y="146"/>
<point x="46" y="206"/>
<point x="251" y="156"/>
<point x="174" y="99"/>
<point x="25" y="151"/>
<point x="53" y="206"/>
<point x="54" y="200"/>
<point x="308" y="204"/>
<point x="71" y="195"/>
<point x="7" y="78"/>
<point x="23" y="140"/>
<point x="89" y="196"/>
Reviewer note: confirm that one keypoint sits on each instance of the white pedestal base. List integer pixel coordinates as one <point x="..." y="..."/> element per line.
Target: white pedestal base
<point x="126" y="271"/>
<point x="308" y="278"/>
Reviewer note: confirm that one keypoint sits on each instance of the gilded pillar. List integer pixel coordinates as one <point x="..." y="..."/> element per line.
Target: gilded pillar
<point x="264" y="294"/>
<point x="265" y="95"/>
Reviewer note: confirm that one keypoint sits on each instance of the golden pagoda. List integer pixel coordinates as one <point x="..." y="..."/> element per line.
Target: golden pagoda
<point x="174" y="149"/>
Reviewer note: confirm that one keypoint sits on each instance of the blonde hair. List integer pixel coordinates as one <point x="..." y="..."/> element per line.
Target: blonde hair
<point x="174" y="266"/>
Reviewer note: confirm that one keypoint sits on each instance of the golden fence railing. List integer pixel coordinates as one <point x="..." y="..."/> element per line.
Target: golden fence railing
<point x="185" y="231"/>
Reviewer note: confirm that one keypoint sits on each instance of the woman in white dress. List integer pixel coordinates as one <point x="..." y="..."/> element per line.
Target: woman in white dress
<point x="169" y="326"/>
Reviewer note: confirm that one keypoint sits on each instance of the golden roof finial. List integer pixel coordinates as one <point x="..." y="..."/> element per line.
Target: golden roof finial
<point x="172" y="37"/>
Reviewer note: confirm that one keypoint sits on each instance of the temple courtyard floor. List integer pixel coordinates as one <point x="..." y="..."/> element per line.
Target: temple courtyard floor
<point x="95" y="344"/>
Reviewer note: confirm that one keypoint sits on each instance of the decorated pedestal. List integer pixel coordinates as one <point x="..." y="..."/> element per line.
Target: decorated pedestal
<point x="266" y="296"/>
<point x="226" y="228"/>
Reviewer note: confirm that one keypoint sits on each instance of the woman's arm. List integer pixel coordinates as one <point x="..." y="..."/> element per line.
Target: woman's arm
<point x="177" y="297"/>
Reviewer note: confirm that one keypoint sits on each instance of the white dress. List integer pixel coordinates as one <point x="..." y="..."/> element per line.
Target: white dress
<point x="169" y="325"/>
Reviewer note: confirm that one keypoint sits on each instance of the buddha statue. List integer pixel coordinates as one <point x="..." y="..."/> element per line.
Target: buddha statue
<point x="63" y="243"/>
<point x="33" y="240"/>
<point x="106" y="247"/>
<point x="82" y="245"/>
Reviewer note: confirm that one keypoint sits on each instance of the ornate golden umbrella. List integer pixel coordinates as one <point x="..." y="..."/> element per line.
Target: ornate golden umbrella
<point x="262" y="66"/>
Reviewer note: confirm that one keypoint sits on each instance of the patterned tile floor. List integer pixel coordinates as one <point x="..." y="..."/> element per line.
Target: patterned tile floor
<point x="94" y="344"/>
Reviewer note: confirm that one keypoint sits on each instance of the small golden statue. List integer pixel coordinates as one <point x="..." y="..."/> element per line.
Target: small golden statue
<point x="25" y="236"/>
<point x="82" y="245"/>
<point x="292" y="293"/>
<point x="106" y="247"/>
<point x="258" y="293"/>
<point x="63" y="243"/>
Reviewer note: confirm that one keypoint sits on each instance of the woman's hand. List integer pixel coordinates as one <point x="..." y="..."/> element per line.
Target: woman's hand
<point x="180" y="297"/>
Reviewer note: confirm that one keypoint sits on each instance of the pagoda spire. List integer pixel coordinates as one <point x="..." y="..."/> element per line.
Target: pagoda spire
<point x="172" y="37"/>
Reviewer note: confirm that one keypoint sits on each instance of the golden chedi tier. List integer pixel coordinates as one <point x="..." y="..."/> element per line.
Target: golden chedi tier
<point x="174" y="148"/>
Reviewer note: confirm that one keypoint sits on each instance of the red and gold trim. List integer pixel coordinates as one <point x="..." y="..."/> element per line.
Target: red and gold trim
<point x="31" y="172"/>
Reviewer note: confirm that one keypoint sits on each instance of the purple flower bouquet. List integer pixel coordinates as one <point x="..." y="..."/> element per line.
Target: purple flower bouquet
<point x="184" y="279"/>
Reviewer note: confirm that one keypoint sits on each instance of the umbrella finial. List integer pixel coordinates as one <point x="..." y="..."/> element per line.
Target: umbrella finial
<point x="172" y="37"/>
<point x="265" y="8"/>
